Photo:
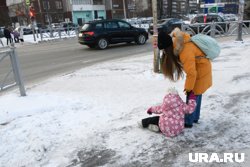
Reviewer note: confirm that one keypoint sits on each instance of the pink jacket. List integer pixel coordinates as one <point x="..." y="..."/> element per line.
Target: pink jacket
<point x="172" y="112"/>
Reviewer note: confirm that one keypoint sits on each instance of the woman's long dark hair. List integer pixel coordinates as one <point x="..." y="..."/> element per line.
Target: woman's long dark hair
<point x="171" y="65"/>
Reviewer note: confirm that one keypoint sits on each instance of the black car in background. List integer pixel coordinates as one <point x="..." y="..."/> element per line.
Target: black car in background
<point x="221" y="27"/>
<point x="101" y="33"/>
<point x="166" y="25"/>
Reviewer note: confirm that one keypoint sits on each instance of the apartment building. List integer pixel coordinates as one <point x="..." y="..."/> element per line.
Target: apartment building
<point x="17" y="11"/>
<point x="48" y="11"/>
<point x="119" y="9"/>
<point x="4" y="14"/>
<point x="88" y="10"/>
<point x="67" y="9"/>
<point x="178" y="8"/>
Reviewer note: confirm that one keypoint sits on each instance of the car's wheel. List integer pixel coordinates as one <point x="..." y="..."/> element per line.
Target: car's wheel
<point x="102" y="43"/>
<point x="141" y="39"/>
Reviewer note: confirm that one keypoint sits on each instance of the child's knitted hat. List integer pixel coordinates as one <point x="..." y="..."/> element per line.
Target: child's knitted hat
<point x="172" y="90"/>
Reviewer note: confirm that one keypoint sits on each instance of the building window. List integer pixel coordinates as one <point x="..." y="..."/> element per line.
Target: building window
<point x="97" y="2"/>
<point x="81" y="2"/>
<point x="59" y="5"/>
<point x="46" y="5"/>
<point x="47" y="18"/>
<point x="60" y="17"/>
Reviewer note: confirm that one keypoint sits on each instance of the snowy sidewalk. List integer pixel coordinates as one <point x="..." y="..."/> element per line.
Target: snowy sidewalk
<point x="89" y="118"/>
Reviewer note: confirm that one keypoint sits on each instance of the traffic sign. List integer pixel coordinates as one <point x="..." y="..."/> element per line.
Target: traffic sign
<point x="208" y="5"/>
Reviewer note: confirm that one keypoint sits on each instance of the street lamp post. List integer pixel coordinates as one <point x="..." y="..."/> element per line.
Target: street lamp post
<point x="31" y="15"/>
<point x="48" y="17"/>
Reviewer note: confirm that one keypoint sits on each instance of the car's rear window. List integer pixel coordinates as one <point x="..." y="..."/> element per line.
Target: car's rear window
<point x="111" y="25"/>
<point x="98" y="26"/>
<point x="86" y="27"/>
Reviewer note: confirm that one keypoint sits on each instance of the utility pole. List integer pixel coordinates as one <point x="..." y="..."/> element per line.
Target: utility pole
<point x="48" y="17"/>
<point x="124" y="9"/>
<point x="31" y="14"/>
<point x="240" y="20"/>
<point x="155" y="36"/>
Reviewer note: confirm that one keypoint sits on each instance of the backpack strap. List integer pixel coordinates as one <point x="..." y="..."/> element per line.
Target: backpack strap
<point x="200" y="57"/>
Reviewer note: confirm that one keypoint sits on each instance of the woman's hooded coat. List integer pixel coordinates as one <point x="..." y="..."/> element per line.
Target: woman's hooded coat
<point x="196" y="66"/>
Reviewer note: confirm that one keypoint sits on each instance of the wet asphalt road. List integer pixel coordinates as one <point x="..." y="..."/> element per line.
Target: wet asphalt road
<point x="44" y="60"/>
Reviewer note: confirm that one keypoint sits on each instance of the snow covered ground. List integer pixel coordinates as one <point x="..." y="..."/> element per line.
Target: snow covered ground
<point x="89" y="117"/>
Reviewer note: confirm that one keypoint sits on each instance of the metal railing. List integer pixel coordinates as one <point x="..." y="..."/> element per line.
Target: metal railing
<point x="9" y="52"/>
<point x="58" y="32"/>
<point x="217" y="29"/>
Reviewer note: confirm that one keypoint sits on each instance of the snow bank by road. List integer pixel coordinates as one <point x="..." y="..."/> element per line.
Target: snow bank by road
<point x="29" y="39"/>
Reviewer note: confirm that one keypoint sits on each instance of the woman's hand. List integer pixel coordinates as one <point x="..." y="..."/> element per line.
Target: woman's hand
<point x="187" y="92"/>
<point x="192" y="96"/>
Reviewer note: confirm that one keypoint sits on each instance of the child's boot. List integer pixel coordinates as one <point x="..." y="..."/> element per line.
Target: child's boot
<point x="139" y="123"/>
<point x="153" y="128"/>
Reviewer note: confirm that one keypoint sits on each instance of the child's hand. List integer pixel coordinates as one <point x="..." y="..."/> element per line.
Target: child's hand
<point x="149" y="111"/>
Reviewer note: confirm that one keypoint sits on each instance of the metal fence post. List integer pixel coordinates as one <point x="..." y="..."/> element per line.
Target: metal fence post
<point x="59" y="33"/>
<point x="76" y="31"/>
<point x="37" y="33"/>
<point x="16" y="70"/>
<point x="41" y="34"/>
<point x="51" y="32"/>
<point x="240" y="20"/>
<point x="239" y="35"/>
<point x="213" y="27"/>
<point x="1" y="42"/>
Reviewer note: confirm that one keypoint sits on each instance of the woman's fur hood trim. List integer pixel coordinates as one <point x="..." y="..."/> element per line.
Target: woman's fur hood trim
<point x="179" y="39"/>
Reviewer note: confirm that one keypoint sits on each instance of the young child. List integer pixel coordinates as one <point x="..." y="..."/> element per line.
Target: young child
<point x="172" y="111"/>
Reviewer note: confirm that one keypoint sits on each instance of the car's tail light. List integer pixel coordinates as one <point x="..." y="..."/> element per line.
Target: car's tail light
<point x="90" y="33"/>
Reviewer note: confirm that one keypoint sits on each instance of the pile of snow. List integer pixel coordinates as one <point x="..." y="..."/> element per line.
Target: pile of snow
<point x="90" y="117"/>
<point x="29" y="39"/>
